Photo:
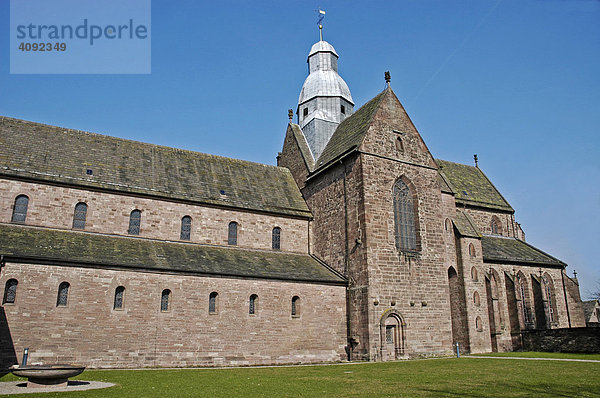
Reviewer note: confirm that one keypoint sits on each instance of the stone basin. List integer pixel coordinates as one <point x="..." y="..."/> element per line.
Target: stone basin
<point x="47" y="375"/>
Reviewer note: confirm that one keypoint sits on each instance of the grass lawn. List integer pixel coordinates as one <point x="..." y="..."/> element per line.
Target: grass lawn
<point x="466" y="377"/>
<point x="530" y="354"/>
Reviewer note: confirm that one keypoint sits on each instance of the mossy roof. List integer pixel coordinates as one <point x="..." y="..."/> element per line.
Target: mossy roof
<point x="41" y="245"/>
<point x="515" y="251"/>
<point x="465" y="225"/>
<point x="350" y="133"/>
<point x="55" y="154"/>
<point x="471" y="187"/>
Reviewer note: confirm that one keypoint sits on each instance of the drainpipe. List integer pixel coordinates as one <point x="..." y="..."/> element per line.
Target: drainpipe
<point x="562" y="275"/>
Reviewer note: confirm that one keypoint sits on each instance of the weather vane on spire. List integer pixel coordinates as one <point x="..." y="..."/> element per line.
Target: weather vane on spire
<point x="319" y="22"/>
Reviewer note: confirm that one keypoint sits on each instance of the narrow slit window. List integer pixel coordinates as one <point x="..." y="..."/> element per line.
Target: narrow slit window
<point x="232" y="234"/>
<point x="276" y="238"/>
<point x="472" y="252"/>
<point x="343" y="110"/>
<point x="305" y="112"/>
<point x="399" y="144"/>
<point x="20" y="209"/>
<point x="212" y="303"/>
<point x="10" y="291"/>
<point x="186" y="228"/>
<point x="252" y="304"/>
<point x="119" y="295"/>
<point x="80" y="215"/>
<point x="135" y="219"/>
<point x="164" y="300"/>
<point x="63" y="294"/>
<point x="295" y="306"/>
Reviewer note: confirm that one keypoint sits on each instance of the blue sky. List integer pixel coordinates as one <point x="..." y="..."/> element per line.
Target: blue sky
<point x="515" y="81"/>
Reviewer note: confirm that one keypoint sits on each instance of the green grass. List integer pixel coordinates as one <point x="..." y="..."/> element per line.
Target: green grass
<point x="531" y="354"/>
<point x="466" y="377"/>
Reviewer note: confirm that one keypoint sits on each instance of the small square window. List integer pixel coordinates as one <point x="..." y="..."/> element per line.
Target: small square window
<point x="343" y="110"/>
<point x="89" y="172"/>
<point x="305" y="112"/>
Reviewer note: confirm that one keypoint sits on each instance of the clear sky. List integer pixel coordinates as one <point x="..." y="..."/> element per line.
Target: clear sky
<point x="515" y="81"/>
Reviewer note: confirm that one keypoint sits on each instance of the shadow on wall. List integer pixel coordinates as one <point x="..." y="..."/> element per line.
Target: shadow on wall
<point x="8" y="356"/>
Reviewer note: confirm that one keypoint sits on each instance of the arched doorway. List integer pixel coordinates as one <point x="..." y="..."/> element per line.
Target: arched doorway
<point x="392" y="336"/>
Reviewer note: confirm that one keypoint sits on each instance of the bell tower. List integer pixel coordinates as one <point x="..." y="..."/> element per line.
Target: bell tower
<point x="325" y="98"/>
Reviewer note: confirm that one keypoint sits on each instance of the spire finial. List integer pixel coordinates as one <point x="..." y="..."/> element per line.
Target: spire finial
<point x="319" y="22"/>
<point x="574" y="274"/>
<point x="388" y="77"/>
<point x="291" y="114"/>
<point x="476" y="160"/>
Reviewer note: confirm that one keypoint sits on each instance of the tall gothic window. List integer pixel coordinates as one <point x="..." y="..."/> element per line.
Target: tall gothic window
<point x="404" y="217"/>
<point x="10" y="291"/>
<point x="186" y="228"/>
<point x="119" y="293"/>
<point x="524" y="303"/>
<point x="276" y="244"/>
<point x="549" y="298"/>
<point x="80" y="215"/>
<point x="212" y="303"/>
<point x="63" y="294"/>
<point x="164" y="300"/>
<point x="135" y="219"/>
<point x="20" y="209"/>
<point x="232" y="233"/>
<point x="252" y="304"/>
<point x="495" y="226"/>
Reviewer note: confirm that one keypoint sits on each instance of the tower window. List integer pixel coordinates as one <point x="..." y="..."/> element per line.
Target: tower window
<point x="232" y="233"/>
<point x="80" y="215"/>
<point x="276" y="238"/>
<point x="20" y="209"/>
<point x="63" y="294"/>
<point x="135" y="219"/>
<point x="186" y="228"/>
<point x="305" y="112"/>
<point x="343" y="109"/>
<point x="10" y="291"/>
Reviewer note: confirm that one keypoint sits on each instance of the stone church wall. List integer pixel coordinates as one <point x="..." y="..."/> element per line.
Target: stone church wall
<point x="53" y="206"/>
<point x="89" y="331"/>
<point x="483" y="219"/>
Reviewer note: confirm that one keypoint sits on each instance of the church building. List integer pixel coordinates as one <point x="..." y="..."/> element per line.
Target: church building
<point x="358" y="245"/>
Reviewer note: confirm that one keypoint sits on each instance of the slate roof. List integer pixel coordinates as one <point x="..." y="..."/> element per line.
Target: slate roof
<point x="470" y="186"/>
<point x="465" y="225"/>
<point x="40" y="245"/>
<point x="303" y="145"/>
<point x="588" y="308"/>
<point x="350" y="133"/>
<point x="55" y="154"/>
<point x="511" y="251"/>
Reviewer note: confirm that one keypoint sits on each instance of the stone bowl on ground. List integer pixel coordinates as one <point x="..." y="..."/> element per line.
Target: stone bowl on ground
<point x="47" y="375"/>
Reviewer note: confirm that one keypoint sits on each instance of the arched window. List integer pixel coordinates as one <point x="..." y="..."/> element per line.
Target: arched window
<point x="253" y="304"/>
<point x="295" y="306"/>
<point x="476" y="299"/>
<point x="472" y="252"/>
<point x="404" y="217"/>
<point x="186" y="228"/>
<point x="276" y="238"/>
<point x="524" y="301"/>
<point x="549" y="293"/>
<point x="20" y="209"/>
<point x="232" y="233"/>
<point x="399" y="144"/>
<point x="212" y="303"/>
<point x="119" y="296"/>
<point x="496" y="226"/>
<point x="135" y="219"/>
<point x="474" y="275"/>
<point x="478" y="324"/>
<point x="448" y="225"/>
<point x="164" y="300"/>
<point x="10" y="291"/>
<point x="80" y="215"/>
<point x="63" y="294"/>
